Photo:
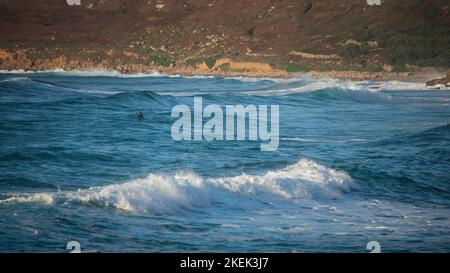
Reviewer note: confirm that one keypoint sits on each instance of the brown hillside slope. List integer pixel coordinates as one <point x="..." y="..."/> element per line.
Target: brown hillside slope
<point x="287" y="34"/>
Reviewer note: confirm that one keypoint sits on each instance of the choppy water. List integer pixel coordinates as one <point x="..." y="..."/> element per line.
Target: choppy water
<point x="355" y="164"/>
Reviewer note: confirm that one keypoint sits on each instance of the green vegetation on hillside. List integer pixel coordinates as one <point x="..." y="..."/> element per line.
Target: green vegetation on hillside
<point x="425" y="46"/>
<point x="209" y="61"/>
<point x="160" y="61"/>
<point x="362" y="34"/>
<point x="225" y="67"/>
<point x="351" y="51"/>
<point x="424" y="43"/>
<point x="296" y="67"/>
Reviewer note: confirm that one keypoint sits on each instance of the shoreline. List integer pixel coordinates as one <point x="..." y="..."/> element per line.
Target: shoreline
<point x="421" y="76"/>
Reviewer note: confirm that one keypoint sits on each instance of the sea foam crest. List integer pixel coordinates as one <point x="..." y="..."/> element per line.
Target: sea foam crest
<point x="305" y="179"/>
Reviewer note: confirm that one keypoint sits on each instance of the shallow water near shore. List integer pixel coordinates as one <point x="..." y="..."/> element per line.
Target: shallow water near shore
<point x="357" y="162"/>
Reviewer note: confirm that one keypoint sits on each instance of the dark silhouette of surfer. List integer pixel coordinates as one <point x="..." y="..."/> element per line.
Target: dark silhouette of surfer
<point x="140" y="116"/>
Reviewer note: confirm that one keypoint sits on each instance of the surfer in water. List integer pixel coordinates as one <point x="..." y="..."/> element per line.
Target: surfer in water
<point x="140" y="116"/>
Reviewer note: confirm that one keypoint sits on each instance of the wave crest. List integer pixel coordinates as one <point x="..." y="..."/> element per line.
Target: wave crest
<point x="303" y="180"/>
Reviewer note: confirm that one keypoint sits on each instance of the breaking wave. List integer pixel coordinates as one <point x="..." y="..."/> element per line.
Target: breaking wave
<point x="90" y="73"/>
<point x="330" y="90"/>
<point x="15" y="79"/>
<point x="157" y="194"/>
<point x="319" y="89"/>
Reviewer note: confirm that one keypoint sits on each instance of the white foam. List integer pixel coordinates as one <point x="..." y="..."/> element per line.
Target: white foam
<point x="316" y="140"/>
<point x="347" y="90"/>
<point x="155" y="193"/>
<point x="89" y="73"/>
<point x="312" y="85"/>
<point x="47" y="198"/>
<point x="275" y="80"/>
<point x="15" y="79"/>
<point x="19" y="71"/>
<point x="103" y="73"/>
<point x="303" y="180"/>
<point x="308" y="85"/>
<point x="402" y="85"/>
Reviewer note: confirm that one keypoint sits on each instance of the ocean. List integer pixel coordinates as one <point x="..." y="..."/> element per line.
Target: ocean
<point x="356" y="162"/>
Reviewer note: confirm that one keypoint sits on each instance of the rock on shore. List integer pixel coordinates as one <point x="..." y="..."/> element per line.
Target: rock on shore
<point x="437" y="83"/>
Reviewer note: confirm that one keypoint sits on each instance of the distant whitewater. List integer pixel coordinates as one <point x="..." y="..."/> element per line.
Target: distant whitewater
<point x="357" y="162"/>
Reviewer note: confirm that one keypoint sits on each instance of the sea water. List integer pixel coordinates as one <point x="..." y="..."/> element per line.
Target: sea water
<point x="356" y="162"/>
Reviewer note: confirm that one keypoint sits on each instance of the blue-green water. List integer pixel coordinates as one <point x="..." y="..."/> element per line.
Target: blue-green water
<point x="354" y="164"/>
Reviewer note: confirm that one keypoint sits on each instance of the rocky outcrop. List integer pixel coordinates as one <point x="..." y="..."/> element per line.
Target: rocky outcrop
<point x="10" y="60"/>
<point x="437" y="83"/>
<point x="27" y="59"/>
